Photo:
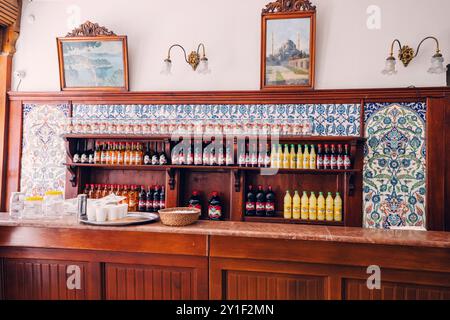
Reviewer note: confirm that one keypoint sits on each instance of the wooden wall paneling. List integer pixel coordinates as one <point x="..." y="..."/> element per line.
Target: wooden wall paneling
<point x="406" y="257"/>
<point x="447" y="165"/>
<point x="14" y="152"/>
<point x="5" y="85"/>
<point x="106" y="240"/>
<point x="436" y="164"/>
<point x="47" y="280"/>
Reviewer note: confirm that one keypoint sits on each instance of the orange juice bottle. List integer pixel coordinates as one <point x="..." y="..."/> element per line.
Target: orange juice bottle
<point x="329" y="205"/>
<point x="296" y="206"/>
<point x="321" y="207"/>
<point x="312" y="158"/>
<point x="127" y="155"/>
<point x="304" y="206"/>
<point x="306" y="158"/>
<point x="299" y="157"/>
<point x="292" y="158"/>
<point x="287" y="205"/>
<point x="113" y="154"/>
<point x="120" y="153"/>
<point x="313" y="207"/>
<point x="338" y="208"/>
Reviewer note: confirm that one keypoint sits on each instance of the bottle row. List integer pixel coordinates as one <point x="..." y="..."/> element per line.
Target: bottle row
<point x="121" y="153"/>
<point x="215" y="207"/>
<point x="138" y="198"/>
<point x="259" y="202"/>
<point x="313" y="208"/>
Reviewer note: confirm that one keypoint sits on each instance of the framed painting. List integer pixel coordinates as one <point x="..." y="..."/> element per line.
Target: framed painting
<point x="93" y="58"/>
<point x="288" y="45"/>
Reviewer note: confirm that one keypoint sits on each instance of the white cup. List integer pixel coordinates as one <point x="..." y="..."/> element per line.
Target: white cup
<point x="101" y="214"/>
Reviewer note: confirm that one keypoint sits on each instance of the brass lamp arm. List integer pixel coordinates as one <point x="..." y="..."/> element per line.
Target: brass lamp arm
<point x="184" y="51"/>
<point x="392" y="46"/>
<point x="203" y="49"/>
<point x="437" y="45"/>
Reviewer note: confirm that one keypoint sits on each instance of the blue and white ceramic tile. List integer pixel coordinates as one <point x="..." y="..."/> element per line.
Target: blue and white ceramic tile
<point x="394" y="182"/>
<point x="327" y="119"/>
<point x="43" y="149"/>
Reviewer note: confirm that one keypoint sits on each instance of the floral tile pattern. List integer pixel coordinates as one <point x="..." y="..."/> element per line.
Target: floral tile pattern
<point x="43" y="149"/>
<point x="394" y="183"/>
<point x="327" y="119"/>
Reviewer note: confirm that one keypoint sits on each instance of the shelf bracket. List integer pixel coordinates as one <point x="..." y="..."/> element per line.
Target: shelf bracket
<point x="237" y="180"/>
<point x="171" y="173"/>
<point x="73" y="175"/>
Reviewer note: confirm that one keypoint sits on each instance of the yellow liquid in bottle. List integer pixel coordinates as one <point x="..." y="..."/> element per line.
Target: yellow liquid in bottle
<point x="286" y="157"/>
<point x="296" y="207"/>
<point x="304" y="206"/>
<point x="293" y="158"/>
<point x="329" y="205"/>
<point x="321" y="207"/>
<point x="273" y="156"/>
<point x="312" y="158"/>
<point x="287" y="206"/>
<point x="299" y="157"/>
<point x="306" y="158"/>
<point x="337" y="208"/>
<point x="280" y="157"/>
<point x="312" y="207"/>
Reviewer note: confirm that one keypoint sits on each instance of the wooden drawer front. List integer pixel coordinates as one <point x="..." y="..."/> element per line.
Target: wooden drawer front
<point x="242" y="285"/>
<point x="42" y="280"/>
<point x="356" y="289"/>
<point x="147" y="282"/>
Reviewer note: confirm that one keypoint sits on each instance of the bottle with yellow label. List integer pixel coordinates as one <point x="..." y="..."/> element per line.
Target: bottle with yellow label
<point x="306" y="158"/>
<point x="287" y="205"/>
<point x="293" y="158"/>
<point x="305" y="206"/>
<point x="321" y="207"/>
<point x="329" y="204"/>
<point x="312" y="206"/>
<point x="296" y="206"/>
<point x="299" y="157"/>
<point x="280" y="157"/>
<point x="312" y="158"/>
<point x="273" y="156"/>
<point x="286" y="157"/>
<point x="338" y="208"/>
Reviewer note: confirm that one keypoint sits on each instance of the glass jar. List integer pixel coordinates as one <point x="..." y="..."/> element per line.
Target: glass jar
<point x="32" y="208"/>
<point x="53" y="204"/>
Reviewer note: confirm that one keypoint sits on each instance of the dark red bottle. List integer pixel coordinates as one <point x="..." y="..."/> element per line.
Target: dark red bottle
<point x="347" y="160"/>
<point x="326" y="158"/>
<point x="142" y="204"/>
<point x="340" y="158"/>
<point x="270" y="202"/>
<point x="250" y="203"/>
<point x="215" y="207"/>
<point x="149" y="200"/>
<point x="319" y="157"/>
<point x="333" y="158"/>
<point x="194" y="201"/>
<point x="162" y="198"/>
<point x="260" y="202"/>
<point x="156" y="204"/>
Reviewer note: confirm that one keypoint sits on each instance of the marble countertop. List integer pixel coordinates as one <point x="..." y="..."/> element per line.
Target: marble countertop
<point x="261" y="230"/>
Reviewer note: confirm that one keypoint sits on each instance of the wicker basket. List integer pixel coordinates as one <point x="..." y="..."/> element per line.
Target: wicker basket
<point x="178" y="217"/>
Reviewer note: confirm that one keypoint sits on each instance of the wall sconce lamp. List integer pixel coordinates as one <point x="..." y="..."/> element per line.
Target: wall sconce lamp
<point x="197" y="62"/>
<point x="407" y="54"/>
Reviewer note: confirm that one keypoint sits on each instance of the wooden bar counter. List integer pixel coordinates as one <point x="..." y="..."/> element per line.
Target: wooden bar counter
<point x="219" y="260"/>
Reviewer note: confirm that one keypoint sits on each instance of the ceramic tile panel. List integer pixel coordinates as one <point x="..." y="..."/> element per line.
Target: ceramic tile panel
<point x="394" y="183"/>
<point x="327" y="119"/>
<point x="43" y="149"/>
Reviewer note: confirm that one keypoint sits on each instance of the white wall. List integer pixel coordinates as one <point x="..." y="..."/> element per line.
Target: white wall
<point x="349" y="55"/>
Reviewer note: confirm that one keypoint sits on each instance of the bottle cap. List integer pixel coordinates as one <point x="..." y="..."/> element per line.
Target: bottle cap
<point x="195" y="193"/>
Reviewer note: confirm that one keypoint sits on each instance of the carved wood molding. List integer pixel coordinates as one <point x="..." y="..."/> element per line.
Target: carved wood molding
<point x="289" y="6"/>
<point x="89" y="29"/>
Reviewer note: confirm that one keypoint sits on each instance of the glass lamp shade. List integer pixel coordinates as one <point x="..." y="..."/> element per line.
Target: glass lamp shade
<point x="437" y="64"/>
<point x="203" y="67"/>
<point x="167" y="67"/>
<point x="389" y="68"/>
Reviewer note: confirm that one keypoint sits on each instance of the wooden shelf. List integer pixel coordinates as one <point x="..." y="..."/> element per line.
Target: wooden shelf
<point x="204" y="168"/>
<point x="287" y="138"/>
<point x="291" y="221"/>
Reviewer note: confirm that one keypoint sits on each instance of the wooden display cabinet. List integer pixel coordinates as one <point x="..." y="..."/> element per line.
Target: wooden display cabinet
<point x="230" y="181"/>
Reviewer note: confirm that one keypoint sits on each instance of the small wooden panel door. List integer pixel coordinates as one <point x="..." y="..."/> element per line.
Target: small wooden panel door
<point x="33" y="279"/>
<point x="356" y="289"/>
<point x="156" y="282"/>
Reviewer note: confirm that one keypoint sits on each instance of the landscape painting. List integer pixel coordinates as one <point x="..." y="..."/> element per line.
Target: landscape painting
<point x="93" y="63"/>
<point x="288" y="53"/>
